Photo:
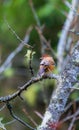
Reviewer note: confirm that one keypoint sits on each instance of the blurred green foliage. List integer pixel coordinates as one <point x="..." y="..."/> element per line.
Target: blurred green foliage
<point x="31" y="94"/>
<point x="9" y="72"/>
<point x="20" y="17"/>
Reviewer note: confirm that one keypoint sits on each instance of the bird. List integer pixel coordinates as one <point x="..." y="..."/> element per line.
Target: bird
<point x="47" y="65"/>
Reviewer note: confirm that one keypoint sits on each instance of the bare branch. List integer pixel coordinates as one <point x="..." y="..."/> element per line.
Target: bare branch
<point x="70" y="7"/>
<point x="38" y="24"/>
<point x="10" y="122"/>
<point x="25" y="86"/>
<point x="24" y="42"/>
<point x="9" y="59"/>
<point x="70" y="104"/>
<point x="73" y="120"/>
<point x="35" y="14"/>
<point x="38" y="114"/>
<point x="17" y="118"/>
<point x="70" y="117"/>
<point x="64" y="35"/>
<point x="44" y="43"/>
<point x="31" y="119"/>
<point x="2" y="107"/>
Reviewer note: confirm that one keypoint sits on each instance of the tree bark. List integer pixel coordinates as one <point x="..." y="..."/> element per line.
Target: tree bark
<point x="66" y="81"/>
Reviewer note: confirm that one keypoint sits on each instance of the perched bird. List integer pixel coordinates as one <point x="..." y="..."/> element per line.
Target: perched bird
<point x="47" y="65"/>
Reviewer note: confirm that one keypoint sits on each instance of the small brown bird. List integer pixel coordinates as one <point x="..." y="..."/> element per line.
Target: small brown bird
<point x="47" y="64"/>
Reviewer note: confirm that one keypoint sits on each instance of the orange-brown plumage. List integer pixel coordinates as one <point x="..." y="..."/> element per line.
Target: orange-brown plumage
<point x="47" y="64"/>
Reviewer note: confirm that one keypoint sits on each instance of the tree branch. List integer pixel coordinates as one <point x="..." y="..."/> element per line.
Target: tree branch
<point x="25" y="86"/>
<point x="64" y="35"/>
<point x="73" y="120"/>
<point x="17" y="118"/>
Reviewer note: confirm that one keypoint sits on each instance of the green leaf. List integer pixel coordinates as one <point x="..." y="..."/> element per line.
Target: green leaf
<point x="2" y="125"/>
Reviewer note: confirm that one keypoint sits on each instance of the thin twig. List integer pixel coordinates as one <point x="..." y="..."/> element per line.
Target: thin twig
<point x="73" y="120"/>
<point x="31" y="119"/>
<point x="66" y="119"/>
<point x="2" y="107"/>
<point x="14" y="33"/>
<point x="70" y="7"/>
<point x="17" y="118"/>
<point x="70" y="104"/>
<point x="38" y="114"/>
<point x="43" y="46"/>
<point x="30" y="64"/>
<point x="10" y="122"/>
<point x="73" y="116"/>
<point x="74" y="32"/>
<point x="44" y="43"/>
<point x="34" y="13"/>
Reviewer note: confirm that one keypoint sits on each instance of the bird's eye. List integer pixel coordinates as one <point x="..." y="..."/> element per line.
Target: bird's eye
<point x="42" y="64"/>
<point x="41" y="58"/>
